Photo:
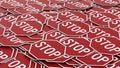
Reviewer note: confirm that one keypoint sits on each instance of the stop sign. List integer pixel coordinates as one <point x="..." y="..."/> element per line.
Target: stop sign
<point x="20" y="61"/>
<point x="9" y="39"/>
<point x="107" y="45"/>
<point x="47" y="49"/>
<point x="6" y="53"/>
<point x="77" y="47"/>
<point x="73" y="28"/>
<point x="26" y="28"/>
<point x="96" y="59"/>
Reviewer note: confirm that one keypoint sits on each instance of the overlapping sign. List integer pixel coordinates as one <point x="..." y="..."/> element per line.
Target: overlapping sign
<point x="60" y="33"/>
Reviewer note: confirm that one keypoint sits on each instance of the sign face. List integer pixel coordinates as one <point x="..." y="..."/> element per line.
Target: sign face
<point x="76" y="47"/>
<point x="115" y="24"/>
<point x="6" y="53"/>
<point x="73" y="28"/>
<point x="60" y="33"/>
<point x="79" y="5"/>
<point x="30" y="8"/>
<point x="28" y="24"/>
<point x="20" y="61"/>
<point x="113" y="11"/>
<point x="102" y="19"/>
<point x="72" y="15"/>
<point x="96" y="32"/>
<point x="106" y="45"/>
<point x="96" y="58"/>
<point x="53" y="22"/>
<point x="9" y="39"/>
<point x="8" y="21"/>
<point x="107" y="2"/>
<point x="26" y="28"/>
<point x="48" y="49"/>
<point x="11" y="4"/>
<point x="31" y="17"/>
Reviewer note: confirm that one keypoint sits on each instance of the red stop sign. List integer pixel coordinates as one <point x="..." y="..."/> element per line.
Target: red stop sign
<point x="107" y="45"/>
<point x="107" y="2"/>
<point x="47" y="49"/>
<point x="6" y="53"/>
<point x="74" y="28"/>
<point x="26" y="28"/>
<point x="72" y="15"/>
<point x="96" y="59"/>
<point x="9" y="39"/>
<point x="77" y="47"/>
<point x="20" y="61"/>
